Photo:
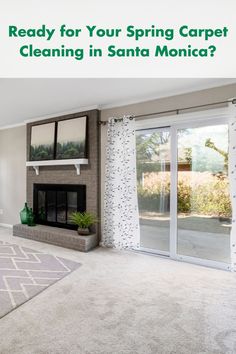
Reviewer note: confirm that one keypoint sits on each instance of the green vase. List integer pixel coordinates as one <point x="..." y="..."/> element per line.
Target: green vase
<point x="31" y="218"/>
<point x="24" y="214"/>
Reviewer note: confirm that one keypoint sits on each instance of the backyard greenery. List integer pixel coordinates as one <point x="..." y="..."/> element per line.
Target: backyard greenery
<point x="148" y="151"/>
<point x="203" y="186"/>
<point x="198" y="192"/>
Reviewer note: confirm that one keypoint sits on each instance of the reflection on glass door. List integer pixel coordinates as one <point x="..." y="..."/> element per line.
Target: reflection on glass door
<point x="203" y="200"/>
<point x="153" y="175"/>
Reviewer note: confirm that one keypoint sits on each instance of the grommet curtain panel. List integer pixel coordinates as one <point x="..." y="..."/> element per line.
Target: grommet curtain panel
<point x="121" y="217"/>
<point x="232" y="175"/>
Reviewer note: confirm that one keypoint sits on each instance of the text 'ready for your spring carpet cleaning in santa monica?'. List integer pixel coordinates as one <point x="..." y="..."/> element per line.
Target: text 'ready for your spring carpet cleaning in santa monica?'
<point x="139" y="42"/>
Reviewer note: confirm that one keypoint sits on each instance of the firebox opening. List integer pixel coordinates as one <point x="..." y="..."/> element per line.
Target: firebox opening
<point x="54" y="203"/>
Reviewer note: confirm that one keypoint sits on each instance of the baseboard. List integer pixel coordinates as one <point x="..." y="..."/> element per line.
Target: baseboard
<point x="9" y="226"/>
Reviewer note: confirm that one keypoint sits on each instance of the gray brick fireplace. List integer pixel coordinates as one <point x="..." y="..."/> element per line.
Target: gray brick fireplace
<point x="66" y="175"/>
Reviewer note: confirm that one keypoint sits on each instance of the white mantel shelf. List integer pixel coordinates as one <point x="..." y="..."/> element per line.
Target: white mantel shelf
<point x="75" y="162"/>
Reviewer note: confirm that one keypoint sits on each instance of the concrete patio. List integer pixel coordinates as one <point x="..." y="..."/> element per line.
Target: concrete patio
<point x="195" y="237"/>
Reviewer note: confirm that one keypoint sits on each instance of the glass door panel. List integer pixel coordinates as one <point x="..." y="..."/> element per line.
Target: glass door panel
<point x="203" y="200"/>
<point x="153" y="180"/>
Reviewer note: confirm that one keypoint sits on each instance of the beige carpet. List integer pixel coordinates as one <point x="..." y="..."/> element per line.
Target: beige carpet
<point x="125" y="303"/>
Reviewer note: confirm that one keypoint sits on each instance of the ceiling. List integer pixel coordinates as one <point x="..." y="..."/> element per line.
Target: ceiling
<point x="24" y="99"/>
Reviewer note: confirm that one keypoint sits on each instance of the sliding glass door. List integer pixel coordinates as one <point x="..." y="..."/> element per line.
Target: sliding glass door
<point x="204" y="208"/>
<point x="153" y="174"/>
<point x="183" y="191"/>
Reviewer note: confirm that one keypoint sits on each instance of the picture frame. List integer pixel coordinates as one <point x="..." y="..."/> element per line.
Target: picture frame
<point x="42" y="141"/>
<point x="71" y="138"/>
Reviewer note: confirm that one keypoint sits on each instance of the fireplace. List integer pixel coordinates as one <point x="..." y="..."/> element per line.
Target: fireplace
<point x="54" y="203"/>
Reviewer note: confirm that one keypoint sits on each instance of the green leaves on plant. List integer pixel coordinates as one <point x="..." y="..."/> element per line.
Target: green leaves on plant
<point x="83" y="220"/>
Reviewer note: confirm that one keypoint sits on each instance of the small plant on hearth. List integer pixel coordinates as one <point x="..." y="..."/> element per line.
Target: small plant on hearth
<point x="84" y="221"/>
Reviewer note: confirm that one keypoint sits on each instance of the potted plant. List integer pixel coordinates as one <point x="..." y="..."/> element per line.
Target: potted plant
<point x="84" y="221"/>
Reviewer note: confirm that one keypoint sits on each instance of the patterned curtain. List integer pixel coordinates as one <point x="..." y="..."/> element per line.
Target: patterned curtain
<point x="121" y="218"/>
<point x="232" y="174"/>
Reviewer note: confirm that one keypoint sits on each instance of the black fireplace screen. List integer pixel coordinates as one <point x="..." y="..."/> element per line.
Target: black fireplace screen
<point x="54" y="203"/>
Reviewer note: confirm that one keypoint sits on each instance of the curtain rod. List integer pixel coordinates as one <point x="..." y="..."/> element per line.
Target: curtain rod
<point x="177" y="110"/>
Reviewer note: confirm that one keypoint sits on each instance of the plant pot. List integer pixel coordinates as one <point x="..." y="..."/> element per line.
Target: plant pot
<point x="83" y="232"/>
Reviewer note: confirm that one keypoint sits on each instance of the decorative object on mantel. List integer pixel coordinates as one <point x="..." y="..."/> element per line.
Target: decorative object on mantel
<point x="66" y="139"/>
<point x="59" y="144"/>
<point x="24" y="213"/>
<point x="84" y="221"/>
<point x="71" y="138"/>
<point x="42" y="145"/>
<point x="75" y="162"/>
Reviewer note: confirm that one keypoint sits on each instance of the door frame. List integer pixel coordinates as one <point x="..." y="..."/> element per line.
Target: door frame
<point x="182" y="121"/>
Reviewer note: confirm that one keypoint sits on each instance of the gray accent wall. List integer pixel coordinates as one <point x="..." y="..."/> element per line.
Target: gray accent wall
<point x="89" y="174"/>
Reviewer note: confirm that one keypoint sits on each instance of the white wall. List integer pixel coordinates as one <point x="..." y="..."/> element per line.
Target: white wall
<point x="12" y="173"/>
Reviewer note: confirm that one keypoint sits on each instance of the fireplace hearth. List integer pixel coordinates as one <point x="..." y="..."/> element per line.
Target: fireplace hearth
<point x="54" y="203"/>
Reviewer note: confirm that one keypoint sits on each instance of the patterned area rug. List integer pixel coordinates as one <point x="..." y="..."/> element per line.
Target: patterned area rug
<point x="24" y="273"/>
